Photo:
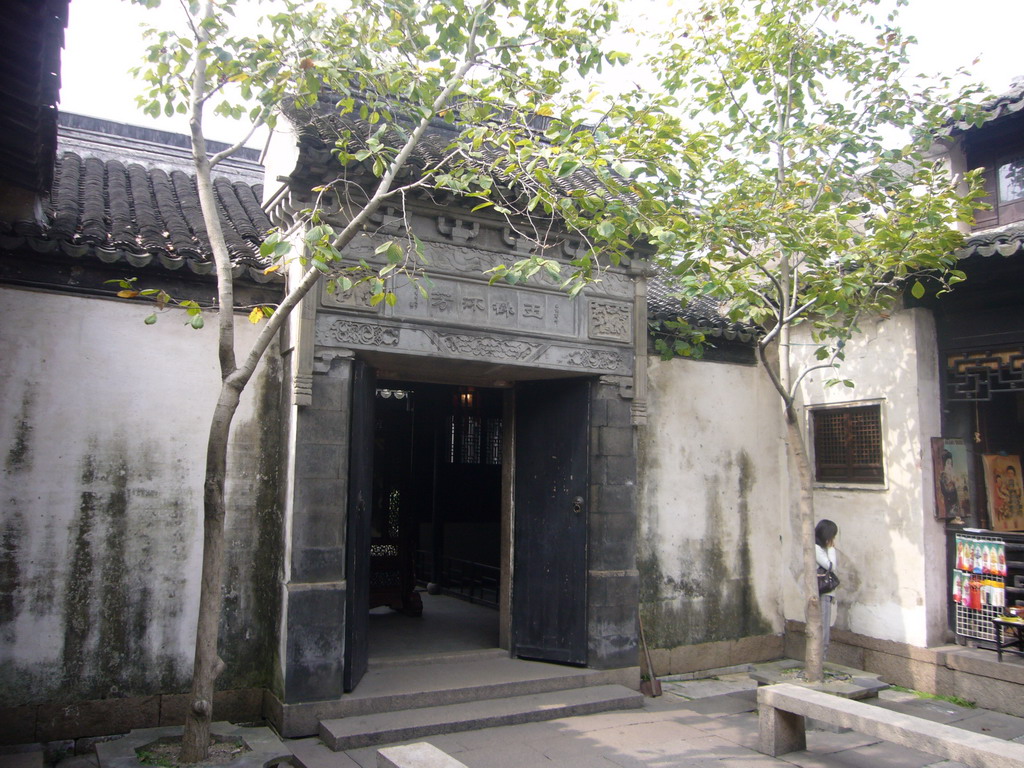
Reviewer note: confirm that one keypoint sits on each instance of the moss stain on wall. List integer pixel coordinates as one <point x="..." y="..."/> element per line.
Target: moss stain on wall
<point x="10" y="571"/>
<point x="118" y="553"/>
<point x="12" y="528"/>
<point x="78" y="589"/>
<point x="711" y="600"/>
<point x="19" y="455"/>
<point x="251" y="606"/>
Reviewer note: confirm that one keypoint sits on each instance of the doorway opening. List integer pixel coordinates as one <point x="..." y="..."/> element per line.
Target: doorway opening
<point x="436" y="519"/>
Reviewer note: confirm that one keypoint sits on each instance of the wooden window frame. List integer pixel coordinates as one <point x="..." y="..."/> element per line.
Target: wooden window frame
<point x="846" y="425"/>
<point x="1003" y="163"/>
<point x="1002" y="212"/>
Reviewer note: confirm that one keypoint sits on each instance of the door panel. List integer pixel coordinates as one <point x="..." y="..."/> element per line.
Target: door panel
<point x="549" y="593"/>
<point x="360" y="494"/>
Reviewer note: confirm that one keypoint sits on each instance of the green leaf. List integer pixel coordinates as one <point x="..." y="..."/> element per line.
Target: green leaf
<point x="418" y="247"/>
<point x="917" y="290"/>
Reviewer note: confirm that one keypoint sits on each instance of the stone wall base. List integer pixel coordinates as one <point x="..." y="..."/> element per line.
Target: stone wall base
<point x="973" y="674"/>
<point x="717" y="655"/>
<point x="970" y="673"/>
<point x="50" y="722"/>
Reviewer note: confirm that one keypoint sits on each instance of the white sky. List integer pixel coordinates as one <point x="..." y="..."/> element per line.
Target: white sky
<point x="103" y="42"/>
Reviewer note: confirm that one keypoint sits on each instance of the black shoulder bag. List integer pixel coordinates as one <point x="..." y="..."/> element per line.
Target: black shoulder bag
<point x="827" y="580"/>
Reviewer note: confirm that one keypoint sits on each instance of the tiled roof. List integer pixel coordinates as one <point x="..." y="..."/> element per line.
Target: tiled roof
<point x="1002" y="241"/>
<point x="29" y="83"/>
<point x="320" y="126"/>
<point x="704" y="314"/>
<point x="1009" y="103"/>
<point x="116" y="211"/>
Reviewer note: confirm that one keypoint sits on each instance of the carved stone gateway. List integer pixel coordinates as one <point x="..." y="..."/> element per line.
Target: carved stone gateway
<point x="517" y="339"/>
<point x="463" y="316"/>
<point x="611" y="320"/>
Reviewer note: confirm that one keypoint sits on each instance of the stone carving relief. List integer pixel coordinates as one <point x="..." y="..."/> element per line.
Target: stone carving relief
<point x="356" y="298"/>
<point x="520" y="244"/>
<point x="486" y="346"/>
<point x="611" y="320"/>
<point x="302" y="388"/>
<point x="364" y="334"/>
<point x="468" y="304"/>
<point x="324" y="359"/>
<point x="598" y="360"/>
<point x="389" y="220"/>
<point x="474" y="304"/>
<point x="503" y="309"/>
<point x="475" y="263"/>
<point x="442" y="301"/>
<point x="459" y="230"/>
<point x="447" y="257"/>
<point x="535" y="309"/>
<point x="614" y="284"/>
<point x="575" y="247"/>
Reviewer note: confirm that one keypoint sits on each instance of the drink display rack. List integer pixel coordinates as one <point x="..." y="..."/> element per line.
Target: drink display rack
<point x="979" y="583"/>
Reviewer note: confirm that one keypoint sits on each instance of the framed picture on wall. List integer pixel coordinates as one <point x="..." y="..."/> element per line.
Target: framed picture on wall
<point x="952" y="491"/>
<point x="1004" y="492"/>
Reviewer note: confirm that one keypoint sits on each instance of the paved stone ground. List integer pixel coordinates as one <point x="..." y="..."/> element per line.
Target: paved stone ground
<point x="709" y="723"/>
<point x="695" y="724"/>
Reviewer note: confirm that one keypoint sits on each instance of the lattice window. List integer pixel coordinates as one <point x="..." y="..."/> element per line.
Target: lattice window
<point x="470" y="453"/>
<point x="492" y="441"/>
<point x="465" y="433"/>
<point x="978" y="374"/>
<point x="848" y="444"/>
<point x="1011" y="180"/>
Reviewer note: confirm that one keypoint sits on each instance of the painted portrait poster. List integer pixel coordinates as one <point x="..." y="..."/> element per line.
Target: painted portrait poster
<point x="1005" y="492"/>
<point x="952" y="493"/>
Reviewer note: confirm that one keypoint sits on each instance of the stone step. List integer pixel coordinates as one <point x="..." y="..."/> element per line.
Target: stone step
<point x="459" y="657"/>
<point x="30" y="759"/>
<point x="388" y="727"/>
<point x="432" y="682"/>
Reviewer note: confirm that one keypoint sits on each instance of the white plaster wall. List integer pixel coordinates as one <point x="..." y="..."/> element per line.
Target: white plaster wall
<point x="709" y="495"/>
<point x="103" y="422"/>
<point x="279" y="158"/>
<point x="890" y="548"/>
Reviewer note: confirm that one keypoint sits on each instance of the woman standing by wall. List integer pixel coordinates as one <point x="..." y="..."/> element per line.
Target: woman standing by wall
<point x="825" y="533"/>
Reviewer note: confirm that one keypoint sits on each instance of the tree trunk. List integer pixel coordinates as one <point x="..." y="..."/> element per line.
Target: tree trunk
<point x="208" y="665"/>
<point x="813" y="657"/>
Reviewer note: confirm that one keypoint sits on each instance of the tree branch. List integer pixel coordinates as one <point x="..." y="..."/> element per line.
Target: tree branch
<point x="310" y="278"/>
<point x="211" y="214"/>
<point x="226" y="153"/>
<point x="799" y="311"/>
<point x="806" y="371"/>
<point x="776" y="382"/>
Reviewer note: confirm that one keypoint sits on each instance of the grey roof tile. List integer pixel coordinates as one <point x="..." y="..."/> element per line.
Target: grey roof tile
<point x="1002" y="241"/>
<point x="704" y="314"/>
<point x="320" y="126"/>
<point x="1005" y="104"/>
<point x="143" y="216"/>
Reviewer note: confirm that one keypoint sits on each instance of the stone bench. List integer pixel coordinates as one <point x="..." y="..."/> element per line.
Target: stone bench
<point x="419" y="755"/>
<point x="782" y="709"/>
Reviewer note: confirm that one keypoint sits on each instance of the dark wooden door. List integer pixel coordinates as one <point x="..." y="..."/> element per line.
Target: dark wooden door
<point x="549" y="591"/>
<point x="360" y="494"/>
